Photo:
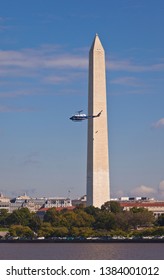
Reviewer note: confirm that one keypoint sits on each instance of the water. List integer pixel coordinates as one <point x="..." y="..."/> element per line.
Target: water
<point x="82" y="251"/>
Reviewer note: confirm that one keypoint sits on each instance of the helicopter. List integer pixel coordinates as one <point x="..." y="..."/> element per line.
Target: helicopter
<point x="81" y="117"/>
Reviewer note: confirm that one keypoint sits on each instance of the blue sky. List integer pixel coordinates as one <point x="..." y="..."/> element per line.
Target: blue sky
<point x="44" y="49"/>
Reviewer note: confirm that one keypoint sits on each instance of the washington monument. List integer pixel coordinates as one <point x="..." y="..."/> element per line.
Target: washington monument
<point x="97" y="149"/>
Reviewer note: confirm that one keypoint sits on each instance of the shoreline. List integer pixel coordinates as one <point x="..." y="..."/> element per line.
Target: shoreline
<point x="85" y="241"/>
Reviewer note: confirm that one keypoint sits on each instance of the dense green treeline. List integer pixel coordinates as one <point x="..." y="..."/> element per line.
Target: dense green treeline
<point x="90" y="221"/>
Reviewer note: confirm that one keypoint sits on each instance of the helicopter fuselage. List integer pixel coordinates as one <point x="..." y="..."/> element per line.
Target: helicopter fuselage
<point x="82" y="117"/>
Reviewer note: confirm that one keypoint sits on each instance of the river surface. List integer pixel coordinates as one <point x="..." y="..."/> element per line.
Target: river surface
<point x="82" y="251"/>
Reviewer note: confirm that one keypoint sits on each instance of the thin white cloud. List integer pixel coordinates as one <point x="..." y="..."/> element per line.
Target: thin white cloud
<point x="55" y="79"/>
<point x="17" y="93"/>
<point x="67" y="61"/>
<point x="161" y="187"/>
<point x="28" y="58"/>
<point x="3" y="23"/>
<point x="130" y="66"/>
<point x="51" y="57"/>
<point x="143" y="191"/>
<point x="127" y="81"/>
<point x="65" y="77"/>
<point x="161" y="190"/>
<point x="117" y="194"/>
<point x="51" y="64"/>
<point x="43" y="65"/>
<point x="10" y="109"/>
<point x="159" y="123"/>
<point x="2" y="27"/>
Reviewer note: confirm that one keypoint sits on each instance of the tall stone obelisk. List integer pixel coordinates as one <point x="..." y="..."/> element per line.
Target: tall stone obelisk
<point x="97" y="150"/>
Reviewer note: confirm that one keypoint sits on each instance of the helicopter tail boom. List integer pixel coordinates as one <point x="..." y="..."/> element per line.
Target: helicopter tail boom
<point x="98" y="115"/>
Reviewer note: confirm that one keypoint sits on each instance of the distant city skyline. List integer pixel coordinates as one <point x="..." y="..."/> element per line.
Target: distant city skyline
<point x="44" y="80"/>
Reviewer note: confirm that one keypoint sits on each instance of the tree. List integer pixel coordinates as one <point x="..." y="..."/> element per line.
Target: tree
<point x="81" y="231"/>
<point x="52" y="216"/>
<point x="69" y="219"/>
<point x="141" y="217"/>
<point x="105" y="220"/>
<point x="84" y="219"/>
<point x="160" y="220"/>
<point x="93" y="211"/>
<point x="21" y="231"/>
<point x="123" y="220"/>
<point x="118" y="232"/>
<point x="137" y="209"/>
<point x="3" y="216"/>
<point x="19" y="217"/>
<point x="159" y="231"/>
<point x="112" y="206"/>
<point x="35" y="222"/>
<point x="60" y="231"/>
<point x="46" y="230"/>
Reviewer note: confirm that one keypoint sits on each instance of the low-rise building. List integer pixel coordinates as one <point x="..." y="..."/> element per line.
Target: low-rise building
<point x="34" y="204"/>
<point x="41" y="212"/>
<point x="58" y="202"/>
<point x="4" y="202"/>
<point x="157" y="207"/>
<point x="80" y="201"/>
